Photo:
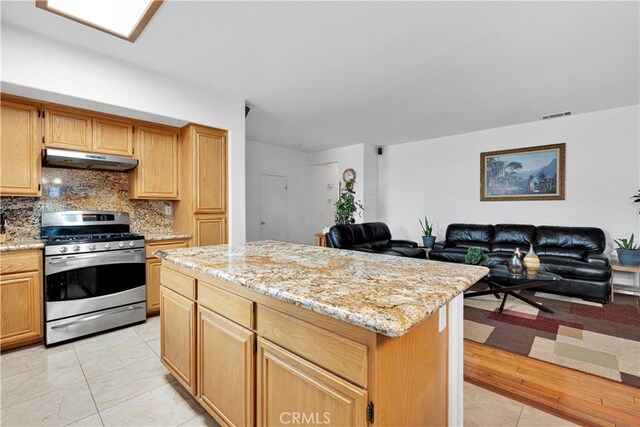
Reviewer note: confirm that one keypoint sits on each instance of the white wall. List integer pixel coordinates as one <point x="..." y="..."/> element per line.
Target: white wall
<point x="440" y="177"/>
<point x="36" y="67"/>
<point x="271" y="160"/>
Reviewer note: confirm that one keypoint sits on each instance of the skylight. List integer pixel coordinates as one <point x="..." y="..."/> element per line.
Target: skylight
<point x="122" y="18"/>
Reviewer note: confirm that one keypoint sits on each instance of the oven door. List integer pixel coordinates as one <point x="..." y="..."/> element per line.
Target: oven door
<point x="83" y="283"/>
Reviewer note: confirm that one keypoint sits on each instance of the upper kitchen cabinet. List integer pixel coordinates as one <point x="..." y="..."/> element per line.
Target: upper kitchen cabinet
<point x="20" y="164"/>
<point x="156" y="176"/>
<point x="67" y="129"/>
<point x="112" y="136"/>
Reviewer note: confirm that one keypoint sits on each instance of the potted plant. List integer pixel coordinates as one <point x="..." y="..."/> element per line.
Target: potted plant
<point x="475" y="256"/>
<point x="428" y="239"/>
<point x="347" y="205"/>
<point x="628" y="253"/>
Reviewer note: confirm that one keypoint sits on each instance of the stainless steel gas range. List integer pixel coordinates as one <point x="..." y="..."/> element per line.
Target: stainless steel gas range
<point x="94" y="272"/>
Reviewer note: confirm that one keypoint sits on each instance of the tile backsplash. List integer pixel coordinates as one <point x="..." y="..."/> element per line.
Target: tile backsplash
<point x="77" y="189"/>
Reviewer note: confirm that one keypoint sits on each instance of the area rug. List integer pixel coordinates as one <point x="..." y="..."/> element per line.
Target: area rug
<point x="600" y="339"/>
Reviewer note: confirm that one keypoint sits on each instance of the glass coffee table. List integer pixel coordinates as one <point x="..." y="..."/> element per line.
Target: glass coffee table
<point x="500" y="281"/>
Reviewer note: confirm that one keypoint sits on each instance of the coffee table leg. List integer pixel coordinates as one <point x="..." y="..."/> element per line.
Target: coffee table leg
<point x="493" y="287"/>
<point x="504" y="301"/>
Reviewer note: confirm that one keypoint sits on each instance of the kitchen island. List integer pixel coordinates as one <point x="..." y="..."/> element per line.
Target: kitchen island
<point x="274" y="333"/>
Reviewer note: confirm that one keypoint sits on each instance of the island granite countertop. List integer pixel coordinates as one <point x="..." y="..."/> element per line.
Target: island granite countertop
<point x="386" y="294"/>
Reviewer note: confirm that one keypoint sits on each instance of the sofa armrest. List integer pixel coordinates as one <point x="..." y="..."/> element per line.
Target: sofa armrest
<point x="371" y="251"/>
<point x="440" y="245"/>
<point x="402" y="244"/>
<point x="597" y="258"/>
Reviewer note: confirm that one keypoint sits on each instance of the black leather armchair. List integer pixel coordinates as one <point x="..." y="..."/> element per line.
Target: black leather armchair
<point x="575" y="253"/>
<point x="373" y="237"/>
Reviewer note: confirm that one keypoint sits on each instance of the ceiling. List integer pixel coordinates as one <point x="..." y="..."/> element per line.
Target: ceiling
<point x="330" y="74"/>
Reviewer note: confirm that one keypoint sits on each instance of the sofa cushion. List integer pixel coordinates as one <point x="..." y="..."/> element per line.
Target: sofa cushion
<point x="349" y="236"/>
<point x="470" y="235"/>
<point x="508" y="237"/>
<point x="449" y="255"/>
<point x="378" y="234"/>
<point x="570" y="268"/>
<point x="571" y="242"/>
<point x="409" y="252"/>
<point x="498" y="258"/>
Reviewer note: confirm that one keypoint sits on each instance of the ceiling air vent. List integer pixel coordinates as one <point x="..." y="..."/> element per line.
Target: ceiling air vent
<point x="555" y="115"/>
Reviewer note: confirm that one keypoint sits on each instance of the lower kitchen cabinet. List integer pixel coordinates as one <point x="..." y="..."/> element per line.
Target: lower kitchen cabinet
<point x="225" y="368"/>
<point x="153" y="265"/>
<point x="20" y="298"/>
<point x="178" y="336"/>
<point x="290" y="386"/>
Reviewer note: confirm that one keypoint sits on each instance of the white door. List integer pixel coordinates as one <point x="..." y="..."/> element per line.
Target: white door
<point x="273" y="207"/>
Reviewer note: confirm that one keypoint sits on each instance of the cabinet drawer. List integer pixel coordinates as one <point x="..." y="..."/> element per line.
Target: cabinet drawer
<point x="231" y="306"/>
<point x="330" y="351"/>
<point x="163" y="245"/>
<point x="184" y="285"/>
<point x="20" y="261"/>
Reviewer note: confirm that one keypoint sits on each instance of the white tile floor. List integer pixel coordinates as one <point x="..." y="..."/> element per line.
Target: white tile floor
<point x="116" y="379"/>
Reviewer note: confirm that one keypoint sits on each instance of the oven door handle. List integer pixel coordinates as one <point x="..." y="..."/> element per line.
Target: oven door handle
<point x="94" y="317"/>
<point x="74" y="262"/>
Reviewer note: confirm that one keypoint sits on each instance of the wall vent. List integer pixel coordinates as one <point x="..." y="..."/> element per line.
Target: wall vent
<point x="555" y="115"/>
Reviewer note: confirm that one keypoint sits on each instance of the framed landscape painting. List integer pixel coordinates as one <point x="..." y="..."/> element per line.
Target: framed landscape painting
<point x="530" y="173"/>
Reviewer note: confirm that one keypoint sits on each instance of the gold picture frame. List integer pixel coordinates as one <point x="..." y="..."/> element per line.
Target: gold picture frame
<point x="528" y="173"/>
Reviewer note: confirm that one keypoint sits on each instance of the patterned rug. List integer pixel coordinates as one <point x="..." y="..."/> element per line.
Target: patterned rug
<point x="599" y="339"/>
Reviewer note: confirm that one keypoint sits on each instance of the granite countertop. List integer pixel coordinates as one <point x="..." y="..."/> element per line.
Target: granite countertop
<point x="386" y="294"/>
<point x="21" y="245"/>
<point x="169" y="235"/>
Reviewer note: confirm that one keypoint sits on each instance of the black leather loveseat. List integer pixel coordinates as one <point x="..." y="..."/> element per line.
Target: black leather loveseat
<point x="575" y="253"/>
<point x="373" y="237"/>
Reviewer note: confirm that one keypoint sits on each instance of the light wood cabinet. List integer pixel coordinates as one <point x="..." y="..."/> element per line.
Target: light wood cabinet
<point x="112" y="136"/>
<point x="225" y="368"/>
<point x="210" y="230"/>
<point x="202" y="209"/>
<point x="289" y="386"/>
<point x="20" y="298"/>
<point x="178" y="336"/>
<point x="67" y="129"/>
<point x="20" y="162"/>
<point x="210" y="171"/>
<point x="305" y="368"/>
<point x="156" y="176"/>
<point x="153" y="266"/>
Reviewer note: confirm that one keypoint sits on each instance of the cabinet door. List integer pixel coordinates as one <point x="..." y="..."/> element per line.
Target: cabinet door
<point x="20" y="148"/>
<point x="210" y="231"/>
<point x="225" y="368"/>
<point x="313" y="395"/>
<point x="67" y="130"/>
<point x="154" y="265"/>
<point x="211" y="172"/>
<point x="21" y="308"/>
<point x="178" y="337"/>
<point x="156" y="176"/>
<point x="113" y="137"/>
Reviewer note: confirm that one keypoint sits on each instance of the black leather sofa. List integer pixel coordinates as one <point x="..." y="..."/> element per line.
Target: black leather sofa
<point x="373" y="237"/>
<point x="575" y="253"/>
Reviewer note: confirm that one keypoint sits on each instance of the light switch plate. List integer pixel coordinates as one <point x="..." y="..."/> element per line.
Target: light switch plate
<point x="442" y="318"/>
<point x="167" y="210"/>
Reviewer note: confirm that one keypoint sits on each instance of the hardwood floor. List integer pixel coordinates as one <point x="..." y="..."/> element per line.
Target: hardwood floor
<point x="578" y="397"/>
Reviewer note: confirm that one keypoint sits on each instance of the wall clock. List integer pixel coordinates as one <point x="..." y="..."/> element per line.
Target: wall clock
<point x="349" y="176"/>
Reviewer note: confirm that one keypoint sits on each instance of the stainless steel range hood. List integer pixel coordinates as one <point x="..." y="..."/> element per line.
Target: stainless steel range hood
<point x="80" y="160"/>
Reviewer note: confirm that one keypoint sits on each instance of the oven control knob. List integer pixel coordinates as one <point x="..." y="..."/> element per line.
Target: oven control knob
<point x="121" y="245"/>
<point x="76" y="248"/>
<point x="107" y="246"/>
<point x="92" y="247"/>
<point x="64" y="249"/>
<point x="131" y="244"/>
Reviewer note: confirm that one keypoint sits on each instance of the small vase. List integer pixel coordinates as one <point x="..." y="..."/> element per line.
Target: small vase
<point x="514" y="265"/>
<point x="428" y="241"/>
<point x="532" y="262"/>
